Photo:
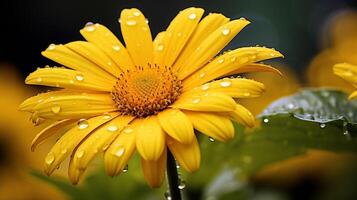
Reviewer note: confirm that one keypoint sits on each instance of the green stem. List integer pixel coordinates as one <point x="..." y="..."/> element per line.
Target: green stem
<point x="173" y="178"/>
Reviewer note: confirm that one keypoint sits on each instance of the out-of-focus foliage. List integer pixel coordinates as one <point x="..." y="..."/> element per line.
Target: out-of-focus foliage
<point x="340" y="44"/>
<point x="16" y="133"/>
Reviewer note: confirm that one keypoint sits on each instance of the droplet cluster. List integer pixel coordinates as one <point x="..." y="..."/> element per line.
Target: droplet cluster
<point x="144" y="91"/>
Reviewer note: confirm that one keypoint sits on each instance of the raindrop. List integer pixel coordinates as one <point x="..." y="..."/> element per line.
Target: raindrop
<point x="131" y="22"/>
<point x="126" y="168"/>
<point x="128" y="130"/>
<point x="211" y="139"/>
<point x="146" y="21"/>
<point x="80" y="153"/>
<point x="160" y="47"/>
<point x="116" y="47"/>
<point x="242" y="18"/>
<point x="192" y="16"/>
<point x="182" y="185"/>
<point x="119" y="152"/>
<point x="136" y="13"/>
<point x="322" y="125"/>
<point x="202" y="75"/>
<point x="167" y="195"/>
<point x="39" y="79"/>
<point x="266" y="120"/>
<point x="56" y="109"/>
<point x="225" y="83"/>
<point x="51" y="47"/>
<point x="246" y="94"/>
<point x="221" y="60"/>
<point x="82" y="124"/>
<point x="79" y="77"/>
<point x="196" y="100"/>
<point x="205" y="87"/>
<point x="105" y="147"/>
<point x="89" y="27"/>
<point x="64" y="151"/>
<point x="112" y="128"/>
<point x="71" y="81"/>
<point x="225" y="31"/>
<point x="290" y="106"/>
<point x="49" y="158"/>
<point x="106" y="116"/>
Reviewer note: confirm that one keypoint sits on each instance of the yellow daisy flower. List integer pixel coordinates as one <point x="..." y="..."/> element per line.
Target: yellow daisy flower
<point x="145" y="95"/>
<point x="349" y="73"/>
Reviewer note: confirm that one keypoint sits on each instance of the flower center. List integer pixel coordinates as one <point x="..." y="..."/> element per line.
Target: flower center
<point x="146" y="91"/>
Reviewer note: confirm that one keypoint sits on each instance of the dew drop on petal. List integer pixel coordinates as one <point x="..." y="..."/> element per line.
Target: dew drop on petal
<point x="167" y="195"/>
<point x="106" y="116"/>
<point x="80" y="153"/>
<point x="119" y="152"/>
<point x="202" y="75"/>
<point x="64" y="151"/>
<point x="116" y="47"/>
<point x="131" y="22"/>
<point x="82" y="124"/>
<point x="205" y="87"/>
<point x="89" y="27"/>
<point x="160" y="47"/>
<point x="225" y="83"/>
<point x="192" y="16"/>
<point x="112" y="128"/>
<point x="136" y="13"/>
<point x="105" y="147"/>
<point x="211" y="139"/>
<point x="51" y="47"/>
<point x="126" y="168"/>
<point x="246" y="94"/>
<point x="196" y="100"/>
<point x="39" y="79"/>
<point x="79" y="77"/>
<point x="128" y="130"/>
<point x="50" y="158"/>
<point x="226" y="31"/>
<point x="220" y="61"/>
<point x="56" y="109"/>
<point x="266" y="120"/>
<point x="146" y="21"/>
<point x="182" y="185"/>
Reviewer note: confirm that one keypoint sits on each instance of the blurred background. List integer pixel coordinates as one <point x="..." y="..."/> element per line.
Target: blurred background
<point x="312" y="34"/>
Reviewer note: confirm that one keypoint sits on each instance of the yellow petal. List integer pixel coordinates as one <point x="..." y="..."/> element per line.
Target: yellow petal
<point x="208" y="24"/>
<point x="70" y="140"/>
<point x="353" y="95"/>
<point x="150" y="138"/>
<point x="154" y="171"/>
<point x="177" y="125"/>
<point x="95" y="55"/>
<point x="137" y="36"/>
<point x="234" y="87"/>
<point x="69" y="105"/>
<point x="50" y="130"/>
<point x="214" y="125"/>
<point x="216" y="102"/>
<point x="98" y="141"/>
<point x="66" y="57"/>
<point x="228" y="63"/>
<point x="255" y="67"/>
<point x="158" y="45"/>
<point x="121" y="150"/>
<point x="109" y="43"/>
<point x="243" y="116"/>
<point x="188" y="155"/>
<point x="67" y="78"/>
<point x="211" y="46"/>
<point x="177" y="34"/>
<point x="347" y="72"/>
<point x="30" y="103"/>
<point x="74" y="174"/>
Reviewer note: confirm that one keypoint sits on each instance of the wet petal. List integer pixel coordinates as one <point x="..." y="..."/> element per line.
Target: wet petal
<point x="353" y="95"/>
<point x="188" y="155"/>
<point x="154" y="171"/>
<point x="347" y="72"/>
<point x="242" y="116"/>
<point x="177" y="125"/>
<point x="214" y="125"/>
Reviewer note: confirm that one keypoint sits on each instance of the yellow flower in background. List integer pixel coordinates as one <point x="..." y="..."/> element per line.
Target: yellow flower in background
<point x="349" y="73"/>
<point x="15" y="136"/>
<point x="275" y="88"/>
<point x="341" y="42"/>
<point x="147" y="95"/>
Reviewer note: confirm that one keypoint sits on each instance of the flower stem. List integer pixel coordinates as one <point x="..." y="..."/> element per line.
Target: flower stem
<point x="172" y="176"/>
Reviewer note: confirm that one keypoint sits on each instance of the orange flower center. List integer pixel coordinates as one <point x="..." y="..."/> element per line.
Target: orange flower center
<point x="146" y="91"/>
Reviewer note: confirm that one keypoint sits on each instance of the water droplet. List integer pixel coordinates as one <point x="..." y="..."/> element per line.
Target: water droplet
<point x="105" y="147"/>
<point x="71" y="81"/>
<point x="82" y="124"/>
<point x="211" y="139"/>
<point x="160" y="47"/>
<point x="56" y="109"/>
<point x="167" y="195"/>
<point x="80" y="153"/>
<point x="225" y="83"/>
<point x="290" y="106"/>
<point x="131" y="22"/>
<point x="128" y="130"/>
<point x="51" y="47"/>
<point x="64" y="151"/>
<point x="89" y="27"/>
<point x="119" y="20"/>
<point x="226" y="31"/>
<point x="322" y="125"/>
<point x="50" y="158"/>
<point x="112" y="128"/>
<point x="196" y="100"/>
<point x="246" y="94"/>
<point x="266" y="120"/>
<point x="182" y="185"/>
<point x="106" y="116"/>
<point x="126" y="168"/>
<point x="116" y="47"/>
<point x="192" y="16"/>
<point x="119" y="152"/>
<point x="233" y="59"/>
<point x="221" y="60"/>
<point x="146" y="21"/>
<point x="202" y="75"/>
<point x="136" y="13"/>
<point x="242" y="18"/>
<point x="205" y="87"/>
<point x="79" y="77"/>
<point x="39" y="79"/>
